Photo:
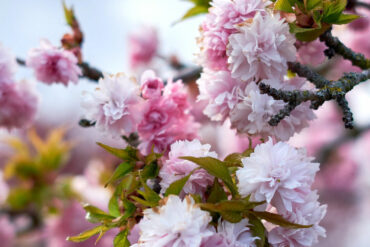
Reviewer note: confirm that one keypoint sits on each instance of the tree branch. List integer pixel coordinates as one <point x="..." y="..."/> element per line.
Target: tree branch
<point x="334" y="43"/>
<point x="312" y="76"/>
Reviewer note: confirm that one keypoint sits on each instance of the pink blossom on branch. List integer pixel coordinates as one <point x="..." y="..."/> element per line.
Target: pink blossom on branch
<point x="53" y="65"/>
<point x="261" y="49"/>
<point x="175" y="168"/>
<point x="8" y="65"/>
<point x="18" y="103"/>
<point x="114" y="105"/>
<point x="311" y="53"/>
<point x="143" y="45"/>
<point x="151" y="85"/>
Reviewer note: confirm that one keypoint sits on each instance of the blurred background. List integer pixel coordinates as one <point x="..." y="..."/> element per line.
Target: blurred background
<point x="344" y="180"/>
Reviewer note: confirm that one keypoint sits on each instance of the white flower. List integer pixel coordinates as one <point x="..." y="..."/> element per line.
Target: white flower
<point x="277" y="173"/>
<point x="261" y="48"/>
<point x="175" y="168"/>
<point x="114" y="104"/>
<point x="176" y="223"/>
<point x="254" y="110"/>
<point x="310" y="212"/>
<point x="219" y="89"/>
<point x="236" y="235"/>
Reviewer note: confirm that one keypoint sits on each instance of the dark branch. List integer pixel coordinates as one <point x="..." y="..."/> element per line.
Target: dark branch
<point x="312" y="76"/>
<point x="86" y="123"/>
<point x="334" y="43"/>
<point x="188" y="75"/>
<point x="362" y="4"/>
<point x="335" y="90"/>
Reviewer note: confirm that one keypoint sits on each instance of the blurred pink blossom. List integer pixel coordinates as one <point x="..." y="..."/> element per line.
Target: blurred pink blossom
<point x="18" y="103"/>
<point x="8" y="65"/>
<point x="7" y="232"/>
<point x="311" y="53"/>
<point x="143" y="45"/>
<point x="4" y="189"/>
<point x="53" y="65"/>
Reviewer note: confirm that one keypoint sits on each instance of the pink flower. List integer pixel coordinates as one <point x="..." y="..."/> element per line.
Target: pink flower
<point x="310" y="212"/>
<point x="175" y="92"/>
<point x="261" y="49"/>
<point x="114" y="105"/>
<point x="18" y="104"/>
<point x="7" y="232"/>
<point x="8" y="65"/>
<point x="151" y="85"/>
<point x="143" y="45"/>
<point x="277" y="173"/>
<point x="175" y="168"/>
<point x="219" y="24"/>
<point x="254" y="110"/>
<point x="311" y="53"/>
<point x="53" y="65"/>
<point x="219" y="90"/>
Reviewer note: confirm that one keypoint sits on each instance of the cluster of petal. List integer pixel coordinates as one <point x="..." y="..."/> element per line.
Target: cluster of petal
<point x="166" y="118"/>
<point x="221" y="21"/>
<point x="219" y="90"/>
<point x="311" y="53"/>
<point x="232" y="235"/>
<point x="151" y="85"/>
<point x="7" y="232"/>
<point x="114" y="104"/>
<point x="310" y="212"/>
<point x="175" y="168"/>
<point x="8" y="65"/>
<point x="143" y="45"/>
<point x="261" y="48"/>
<point x="277" y="173"/>
<point x="176" y="223"/>
<point x="18" y="103"/>
<point x="53" y="65"/>
<point x="253" y="111"/>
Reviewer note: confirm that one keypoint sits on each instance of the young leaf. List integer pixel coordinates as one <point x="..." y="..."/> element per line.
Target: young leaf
<point x="216" y="168"/>
<point x="176" y="187"/>
<point x="113" y="206"/>
<point x="234" y="159"/>
<point x="127" y="154"/>
<point x="283" y="5"/>
<point x="129" y="209"/>
<point x="121" y="239"/>
<point x="217" y="193"/>
<point x="120" y="172"/>
<point x="278" y="220"/>
<point x="96" y="215"/>
<point x="346" y="18"/>
<point x="150" y="171"/>
<point x="258" y="230"/>
<point x="87" y="234"/>
<point x="69" y="15"/>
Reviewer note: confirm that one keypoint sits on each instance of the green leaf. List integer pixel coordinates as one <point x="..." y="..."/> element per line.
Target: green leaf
<point x="150" y="171"/>
<point x="234" y="159"/>
<point x="346" y="18"/>
<point x="130" y="209"/>
<point x="232" y="216"/>
<point x="332" y="10"/>
<point x="217" y="193"/>
<point x="96" y="215"/>
<point x="307" y="34"/>
<point x="113" y="206"/>
<point x="283" y="5"/>
<point x="278" y="220"/>
<point x="120" y="172"/>
<point x="129" y="183"/>
<point x="196" y="10"/>
<point x="143" y="202"/>
<point x="258" y="230"/>
<point x="121" y="239"/>
<point x="149" y="195"/>
<point x="127" y="154"/>
<point x="19" y="198"/>
<point x="87" y="234"/>
<point x="152" y="157"/>
<point x="313" y="4"/>
<point x="176" y="187"/>
<point x="216" y="168"/>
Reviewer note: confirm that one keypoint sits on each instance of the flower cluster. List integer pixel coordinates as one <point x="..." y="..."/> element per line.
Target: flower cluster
<point x="53" y="65"/>
<point x="18" y="100"/>
<point x="160" y="114"/>
<point x="241" y="44"/>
